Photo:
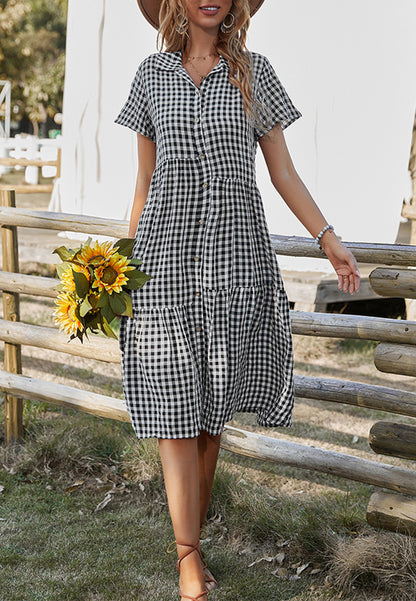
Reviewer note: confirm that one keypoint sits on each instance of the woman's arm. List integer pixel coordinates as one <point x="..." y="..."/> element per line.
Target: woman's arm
<point x="291" y="188"/>
<point x="146" y="151"/>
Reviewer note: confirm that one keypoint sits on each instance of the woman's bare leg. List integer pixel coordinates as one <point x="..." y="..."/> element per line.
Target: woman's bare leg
<point x="208" y="449"/>
<point x="179" y="459"/>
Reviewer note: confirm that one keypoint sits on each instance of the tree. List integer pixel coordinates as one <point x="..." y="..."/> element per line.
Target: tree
<point x="32" y="56"/>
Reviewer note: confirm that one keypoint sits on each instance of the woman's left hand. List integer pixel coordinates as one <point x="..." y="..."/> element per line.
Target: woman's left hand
<point x="343" y="261"/>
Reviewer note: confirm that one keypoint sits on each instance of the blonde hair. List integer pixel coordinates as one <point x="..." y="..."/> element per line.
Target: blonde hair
<point x="231" y="45"/>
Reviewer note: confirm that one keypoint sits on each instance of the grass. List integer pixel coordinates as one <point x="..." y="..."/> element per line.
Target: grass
<point x="66" y="536"/>
<point x="84" y="514"/>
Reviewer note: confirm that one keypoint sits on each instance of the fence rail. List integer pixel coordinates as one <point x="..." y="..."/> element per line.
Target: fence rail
<point x="395" y="353"/>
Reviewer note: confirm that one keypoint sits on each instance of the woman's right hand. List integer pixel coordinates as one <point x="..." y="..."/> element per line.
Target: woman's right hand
<point x="343" y="261"/>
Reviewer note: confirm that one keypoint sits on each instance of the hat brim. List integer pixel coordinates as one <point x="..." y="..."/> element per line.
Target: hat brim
<point x="150" y="10"/>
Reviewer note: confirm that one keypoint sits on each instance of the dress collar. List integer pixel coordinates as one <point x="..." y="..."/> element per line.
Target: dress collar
<point x="173" y="61"/>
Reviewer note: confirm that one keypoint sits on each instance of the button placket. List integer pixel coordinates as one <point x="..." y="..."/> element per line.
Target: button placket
<point x="205" y="172"/>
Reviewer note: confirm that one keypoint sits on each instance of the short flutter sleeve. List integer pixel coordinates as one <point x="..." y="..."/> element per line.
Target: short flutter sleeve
<point x="280" y="107"/>
<point x="135" y="113"/>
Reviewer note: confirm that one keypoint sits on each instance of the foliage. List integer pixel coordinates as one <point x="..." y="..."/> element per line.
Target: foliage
<point x="32" y="56"/>
<point x="95" y="281"/>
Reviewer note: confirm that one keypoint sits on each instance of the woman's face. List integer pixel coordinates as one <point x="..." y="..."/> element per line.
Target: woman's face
<point x="207" y="19"/>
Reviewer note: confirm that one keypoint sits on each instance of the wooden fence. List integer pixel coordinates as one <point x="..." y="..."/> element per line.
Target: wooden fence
<point x="25" y="162"/>
<point x="395" y="353"/>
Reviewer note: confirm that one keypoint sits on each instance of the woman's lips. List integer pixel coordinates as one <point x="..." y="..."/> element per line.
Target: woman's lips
<point x="207" y="11"/>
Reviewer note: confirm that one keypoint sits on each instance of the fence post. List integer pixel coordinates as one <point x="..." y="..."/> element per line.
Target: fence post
<point x="11" y="311"/>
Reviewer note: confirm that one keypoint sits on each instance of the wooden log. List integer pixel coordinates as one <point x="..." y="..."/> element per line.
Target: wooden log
<point x="322" y="460"/>
<point x="389" y="438"/>
<point x="353" y="326"/>
<point x="409" y="211"/>
<point x="389" y="254"/>
<point x="29" y="284"/>
<point x="381" y="398"/>
<point x="72" y="222"/>
<point x="59" y="162"/>
<point x="97" y="347"/>
<point x="64" y="396"/>
<point x="23" y="162"/>
<point x="371" y="396"/>
<point x="395" y="358"/>
<point x="364" y="252"/>
<point x="359" y="327"/>
<point x="11" y="312"/>
<point x="391" y="511"/>
<point x="28" y="188"/>
<point x="394" y="282"/>
<point x="303" y="323"/>
<point x="233" y="439"/>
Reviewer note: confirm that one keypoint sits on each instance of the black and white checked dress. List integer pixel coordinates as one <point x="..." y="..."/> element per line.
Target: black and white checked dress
<point x="210" y="333"/>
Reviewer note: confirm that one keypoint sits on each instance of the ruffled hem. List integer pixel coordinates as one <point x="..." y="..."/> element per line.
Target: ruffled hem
<point x="193" y="366"/>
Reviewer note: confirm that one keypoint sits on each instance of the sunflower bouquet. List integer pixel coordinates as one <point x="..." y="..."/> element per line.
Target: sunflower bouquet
<point x="95" y="280"/>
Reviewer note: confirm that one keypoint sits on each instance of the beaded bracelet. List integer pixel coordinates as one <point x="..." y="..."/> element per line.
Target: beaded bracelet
<point x="321" y="233"/>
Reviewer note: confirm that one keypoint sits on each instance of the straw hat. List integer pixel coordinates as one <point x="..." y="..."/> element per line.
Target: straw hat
<point x="150" y="9"/>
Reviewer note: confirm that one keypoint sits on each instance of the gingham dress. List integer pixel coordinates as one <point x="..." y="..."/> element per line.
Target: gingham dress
<point x="210" y="333"/>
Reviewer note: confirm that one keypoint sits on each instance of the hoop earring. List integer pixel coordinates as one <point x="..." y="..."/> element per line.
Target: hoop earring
<point x="226" y="28"/>
<point x="181" y="27"/>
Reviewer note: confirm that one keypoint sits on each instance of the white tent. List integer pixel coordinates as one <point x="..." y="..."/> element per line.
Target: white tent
<point x="348" y="67"/>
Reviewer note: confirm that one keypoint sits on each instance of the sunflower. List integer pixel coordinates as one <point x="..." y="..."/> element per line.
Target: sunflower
<point x="68" y="277"/>
<point x="96" y="252"/>
<point x="65" y="315"/>
<point x="111" y="275"/>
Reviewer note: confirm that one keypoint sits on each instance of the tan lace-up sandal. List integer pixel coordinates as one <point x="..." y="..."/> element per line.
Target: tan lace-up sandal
<point x="209" y="578"/>
<point x="178" y="563"/>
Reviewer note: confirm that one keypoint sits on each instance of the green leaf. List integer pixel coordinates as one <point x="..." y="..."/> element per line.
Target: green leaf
<point x="137" y="281"/>
<point x="104" y="299"/>
<point x="135" y="261"/>
<point x="85" y="306"/>
<point x="108" y="313"/>
<point x="117" y="303"/>
<point x="61" y="267"/>
<point x="63" y="252"/>
<point x="93" y="320"/>
<point x="107" y="330"/>
<point x="125" y="246"/>
<point x="129" y="308"/>
<point x="93" y="299"/>
<point x="82" y="285"/>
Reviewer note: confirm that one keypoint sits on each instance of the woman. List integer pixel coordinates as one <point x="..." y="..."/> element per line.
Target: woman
<point x="210" y="333"/>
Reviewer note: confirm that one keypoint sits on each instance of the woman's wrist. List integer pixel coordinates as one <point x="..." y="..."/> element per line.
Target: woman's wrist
<point x="328" y="239"/>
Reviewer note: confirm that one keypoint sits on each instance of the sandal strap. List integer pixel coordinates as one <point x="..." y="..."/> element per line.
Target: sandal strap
<point x="192" y="548"/>
<point x="203" y="532"/>
<point x="209" y="579"/>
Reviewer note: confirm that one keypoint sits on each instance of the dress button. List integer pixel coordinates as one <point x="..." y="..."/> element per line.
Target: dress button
<point x="196" y="119"/>
<point x="197" y="293"/>
<point x="196" y="258"/>
<point x="202" y="156"/>
<point x="201" y="221"/>
<point x="205" y="184"/>
<point x="198" y="328"/>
